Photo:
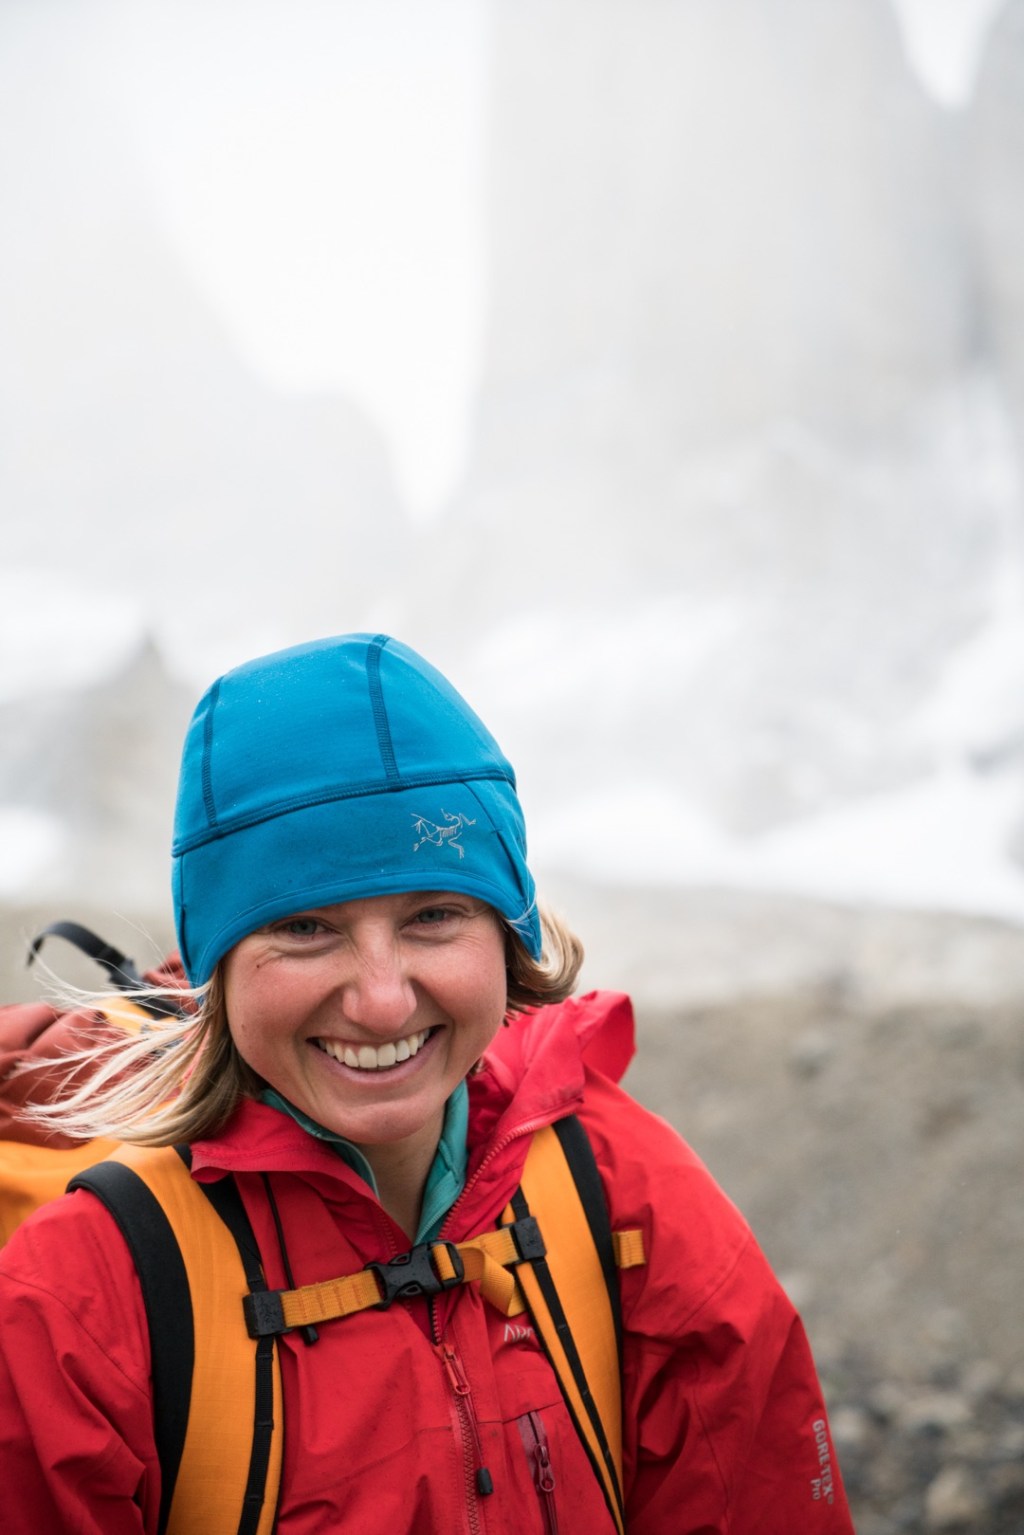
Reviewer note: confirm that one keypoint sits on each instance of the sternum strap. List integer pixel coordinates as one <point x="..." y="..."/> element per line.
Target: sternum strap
<point x="425" y="1270"/>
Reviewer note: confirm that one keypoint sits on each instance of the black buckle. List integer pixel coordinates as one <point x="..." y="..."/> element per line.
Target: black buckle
<point x="413" y="1273"/>
<point x="530" y="1244"/>
<point x="264" y="1314"/>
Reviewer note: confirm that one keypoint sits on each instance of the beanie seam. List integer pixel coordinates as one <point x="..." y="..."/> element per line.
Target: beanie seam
<point x="226" y="827"/>
<point x="209" y="804"/>
<point x="385" y="745"/>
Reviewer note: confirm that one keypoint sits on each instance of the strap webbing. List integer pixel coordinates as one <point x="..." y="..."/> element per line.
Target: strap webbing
<point x="122" y="972"/>
<point x="223" y="1195"/>
<point x="216" y="1475"/>
<point x="425" y="1270"/>
<point x="572" y="1295"/>
<point x="579" y="1156"/>
<point x="165" y="1290"/>
<point x="628" y="1247"/>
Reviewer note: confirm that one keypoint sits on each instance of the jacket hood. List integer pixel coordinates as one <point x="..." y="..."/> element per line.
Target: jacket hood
<point x="540" y="1060"/>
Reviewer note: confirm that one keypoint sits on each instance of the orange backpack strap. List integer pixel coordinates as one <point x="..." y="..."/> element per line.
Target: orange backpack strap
<point x="30" y="1176"/>
<point x="573" y="1294"/>
<point x="209" y="1380"/>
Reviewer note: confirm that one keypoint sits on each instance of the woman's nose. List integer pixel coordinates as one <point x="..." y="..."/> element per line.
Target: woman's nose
<point x="377" y="993"/>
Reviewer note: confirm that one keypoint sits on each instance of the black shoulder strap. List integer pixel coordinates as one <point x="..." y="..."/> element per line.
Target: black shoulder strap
<point x="580" y="1156"/>
<point x="227" y="1201"/>
<point x="165" y="1290"/>
<point x="579" y="1397"/>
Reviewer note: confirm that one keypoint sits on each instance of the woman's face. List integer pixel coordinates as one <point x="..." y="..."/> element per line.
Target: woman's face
<point x="366" y="1015"/>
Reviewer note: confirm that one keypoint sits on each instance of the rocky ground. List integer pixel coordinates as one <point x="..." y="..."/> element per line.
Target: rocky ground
<point x="878" y="1158"/>
<point x="855" y="1080"/>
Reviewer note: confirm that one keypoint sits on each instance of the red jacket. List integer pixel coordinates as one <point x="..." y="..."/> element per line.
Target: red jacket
<point x="724" y="1425"/>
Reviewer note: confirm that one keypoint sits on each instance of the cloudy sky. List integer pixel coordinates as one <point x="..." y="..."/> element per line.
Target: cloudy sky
<point x="268" y="131"/>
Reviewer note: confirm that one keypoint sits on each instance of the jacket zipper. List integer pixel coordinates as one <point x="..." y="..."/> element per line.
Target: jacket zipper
<point x="535" y="1442"/>
<point x="478" y="1479"/>
<point x="495" y="1151"/>
<point x="527" y="1129"/>
<point x="478" y="1482"/>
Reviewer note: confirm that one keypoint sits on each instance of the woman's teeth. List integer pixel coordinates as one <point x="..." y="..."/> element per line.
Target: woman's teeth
<point x="369" y="1058"/>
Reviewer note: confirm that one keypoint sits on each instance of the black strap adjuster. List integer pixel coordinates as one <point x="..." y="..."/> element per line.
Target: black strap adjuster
<point x="264" y="1314"/>
<point x="530" y="1245"/>
<point x="413" y="1273"/>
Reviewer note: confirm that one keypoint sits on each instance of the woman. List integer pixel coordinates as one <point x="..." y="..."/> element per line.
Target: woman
<point x="356" y="915"/>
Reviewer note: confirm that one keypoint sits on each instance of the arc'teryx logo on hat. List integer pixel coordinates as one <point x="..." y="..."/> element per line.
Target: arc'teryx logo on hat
<point x="441" y="836"/>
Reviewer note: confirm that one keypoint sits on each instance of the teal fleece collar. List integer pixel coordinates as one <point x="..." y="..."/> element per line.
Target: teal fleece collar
<point x="447" y="1176"/>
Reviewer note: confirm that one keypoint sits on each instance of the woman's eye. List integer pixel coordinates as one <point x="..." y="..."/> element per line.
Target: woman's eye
<point x="299" y="927"/>
<point x="434" y="916"/>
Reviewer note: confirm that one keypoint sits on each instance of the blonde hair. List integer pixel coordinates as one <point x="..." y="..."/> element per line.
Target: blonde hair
<point x="182" y="1077"/>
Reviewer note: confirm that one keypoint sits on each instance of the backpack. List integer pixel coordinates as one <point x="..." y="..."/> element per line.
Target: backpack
<point x="32" y="1173"/>
<point x="553" y="1253"/>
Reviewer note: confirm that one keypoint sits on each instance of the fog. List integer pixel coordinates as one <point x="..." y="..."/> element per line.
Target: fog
<point x="659" y="371"/>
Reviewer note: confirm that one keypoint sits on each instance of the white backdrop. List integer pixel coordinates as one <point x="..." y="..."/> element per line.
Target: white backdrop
<point x="646" y="378"/>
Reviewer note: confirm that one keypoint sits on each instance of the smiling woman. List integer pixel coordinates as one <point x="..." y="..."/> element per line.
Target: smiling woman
<point x="358" y="921"/>
<point x="367" y="1016"/>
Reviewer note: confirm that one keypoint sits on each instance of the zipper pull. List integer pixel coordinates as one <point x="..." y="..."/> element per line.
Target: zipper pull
<point x="538" y="1448"/>
<point x="545" y="1475"/>
<point x="482" y="1479"/>
<point x="460" y="1385"/>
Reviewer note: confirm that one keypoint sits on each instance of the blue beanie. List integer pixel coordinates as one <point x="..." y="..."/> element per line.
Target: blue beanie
<point x="343" y="768"/>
